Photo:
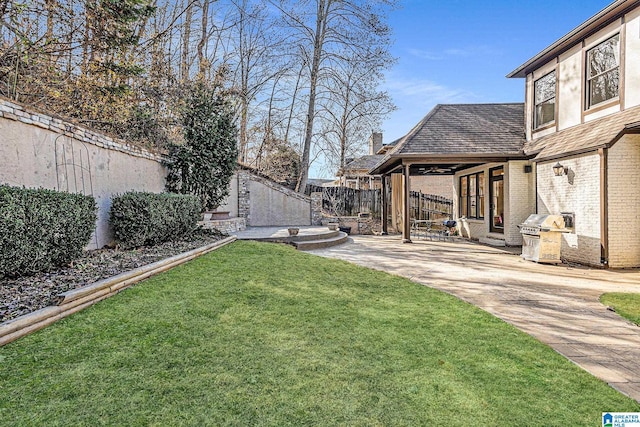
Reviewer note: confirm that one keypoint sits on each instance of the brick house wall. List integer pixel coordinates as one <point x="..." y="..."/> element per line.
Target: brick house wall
<point x="578" y="192"/>
<point x="433" y="184"/>
<point x="624" y="202"/>
<point x="520" y="200"/>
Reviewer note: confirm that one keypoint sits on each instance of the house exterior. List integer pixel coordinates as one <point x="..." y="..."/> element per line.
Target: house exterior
<point x="481" y="146"/>
<point x="572" y="149"/>
<point x="582" y="110"/>
<point x="355" y="173"/>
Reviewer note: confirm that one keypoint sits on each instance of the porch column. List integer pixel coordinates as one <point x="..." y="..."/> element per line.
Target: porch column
<point x="406" y="211"/>
<point x="384" y="215"/>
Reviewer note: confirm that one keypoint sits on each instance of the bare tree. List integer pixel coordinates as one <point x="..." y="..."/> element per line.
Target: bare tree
<point x="122" y="67"/>
<point x="324" y="29"/>
<point x="355" y="107"/>
<point x="255" y="62"/>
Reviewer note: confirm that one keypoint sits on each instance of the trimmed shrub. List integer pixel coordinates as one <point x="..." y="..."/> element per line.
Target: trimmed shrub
<point x="139" y="218"/>
<point x="41" y="229"/>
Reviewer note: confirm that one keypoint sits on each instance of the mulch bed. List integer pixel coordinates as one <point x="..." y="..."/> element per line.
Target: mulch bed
<point x="30" y="293"/>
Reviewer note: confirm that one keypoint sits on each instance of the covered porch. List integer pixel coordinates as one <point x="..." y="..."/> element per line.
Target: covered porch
<point x="481" y="147"/>
<point x="398" y="179"/>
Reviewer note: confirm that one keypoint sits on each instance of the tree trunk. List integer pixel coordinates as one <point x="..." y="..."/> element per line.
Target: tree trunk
<point x="184" y="63"/>
<point x="202" y="62"/>
<point x="318" y="43"/>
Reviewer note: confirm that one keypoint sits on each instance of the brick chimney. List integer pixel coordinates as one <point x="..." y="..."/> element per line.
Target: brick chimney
<point x="375" y="142"/>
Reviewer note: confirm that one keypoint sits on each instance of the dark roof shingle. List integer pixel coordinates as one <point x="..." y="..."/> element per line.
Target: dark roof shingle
<point x="467" y="129"/>
<point x="363" y="163"/>
<point x="585" y="137"/>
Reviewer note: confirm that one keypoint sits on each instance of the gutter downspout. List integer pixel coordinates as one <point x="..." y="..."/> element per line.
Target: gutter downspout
<point x="604" y="207"/>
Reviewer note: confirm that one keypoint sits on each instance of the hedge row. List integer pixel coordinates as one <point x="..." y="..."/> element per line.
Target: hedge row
<point x="139" y="218"/>
<point x="41" y="229"/>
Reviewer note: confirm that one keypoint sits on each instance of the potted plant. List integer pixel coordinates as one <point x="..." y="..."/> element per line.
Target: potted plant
<point x="293" y="231"/>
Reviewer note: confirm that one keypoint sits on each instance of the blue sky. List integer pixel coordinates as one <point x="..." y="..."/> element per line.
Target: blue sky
<point x="459" y="51"/>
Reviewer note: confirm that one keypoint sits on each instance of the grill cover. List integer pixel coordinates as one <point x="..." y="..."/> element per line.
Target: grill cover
<point x="542" y="238"/>
<point x="536" y="223"/>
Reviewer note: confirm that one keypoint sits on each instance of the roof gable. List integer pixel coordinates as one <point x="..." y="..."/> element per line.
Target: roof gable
<point x="600" y="20"/>
<point x="466" y="129"/>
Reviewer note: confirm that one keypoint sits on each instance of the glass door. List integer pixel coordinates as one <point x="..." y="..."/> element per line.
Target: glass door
<point x="496" y="187"/>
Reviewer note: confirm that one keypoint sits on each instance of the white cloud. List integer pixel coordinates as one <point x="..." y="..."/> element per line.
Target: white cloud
<point x="415" y="98"/>
<point x="464" y="52"/>
<point x="424" y="54"/>
<point x="458" y="52"/>
<point x="426" y="90"/>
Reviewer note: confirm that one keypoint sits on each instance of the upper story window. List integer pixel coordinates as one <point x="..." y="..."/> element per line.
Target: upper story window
<point x="545" y="100"/>
<point x="603" y="71"/>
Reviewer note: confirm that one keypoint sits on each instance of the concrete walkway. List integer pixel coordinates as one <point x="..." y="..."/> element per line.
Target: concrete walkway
<point x="556" y="304"/>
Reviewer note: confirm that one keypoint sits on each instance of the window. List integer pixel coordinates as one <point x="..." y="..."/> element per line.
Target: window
<point x="603" y="71"/>
<point x="545" y="100"/>
<point x="472" y="196"/>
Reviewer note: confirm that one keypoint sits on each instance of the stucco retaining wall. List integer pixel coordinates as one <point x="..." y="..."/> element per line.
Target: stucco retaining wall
<point x="265" y="203"/>
<point x="41" y="151"/>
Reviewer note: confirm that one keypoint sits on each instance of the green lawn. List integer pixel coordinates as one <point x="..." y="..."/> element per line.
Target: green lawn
<point x="626" y="305"/>
<point x="260" y="334"/>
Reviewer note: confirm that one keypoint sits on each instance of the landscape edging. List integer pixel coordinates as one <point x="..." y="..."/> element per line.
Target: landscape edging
<point x="75" y="300"/>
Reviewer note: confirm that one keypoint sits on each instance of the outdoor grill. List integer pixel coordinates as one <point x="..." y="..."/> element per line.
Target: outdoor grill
<point x="542" y="238"/>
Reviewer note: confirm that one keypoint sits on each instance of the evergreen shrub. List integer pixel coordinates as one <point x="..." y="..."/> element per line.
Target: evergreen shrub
<point x="41" y="229"/>
<point x="140" y="218"/>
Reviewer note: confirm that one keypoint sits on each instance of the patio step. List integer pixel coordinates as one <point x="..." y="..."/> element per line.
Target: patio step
<point x="282" y="237"/>
<point x="327" y="240"/>
<point x="493" y="241"/>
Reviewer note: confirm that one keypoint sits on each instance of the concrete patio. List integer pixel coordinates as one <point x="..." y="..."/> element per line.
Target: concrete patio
<point x="558" y="305"/>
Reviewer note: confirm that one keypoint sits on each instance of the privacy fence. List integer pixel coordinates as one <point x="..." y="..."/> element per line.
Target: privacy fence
<point x="343" y="201"/>
<point x="430" y="206"/>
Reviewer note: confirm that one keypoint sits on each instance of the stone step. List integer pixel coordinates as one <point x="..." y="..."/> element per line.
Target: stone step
<point x="492" y="241"/>
<point x="324" y="242"/>
<point x="301" y="237"/>
<point x="318" y="236"/>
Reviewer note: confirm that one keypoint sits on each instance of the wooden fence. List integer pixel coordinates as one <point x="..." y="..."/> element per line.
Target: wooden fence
<point x="430" y="206"/>
<point x="343" y="201"/>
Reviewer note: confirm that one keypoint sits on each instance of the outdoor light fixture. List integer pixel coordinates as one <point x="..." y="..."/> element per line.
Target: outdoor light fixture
<point x="560" y="170"/>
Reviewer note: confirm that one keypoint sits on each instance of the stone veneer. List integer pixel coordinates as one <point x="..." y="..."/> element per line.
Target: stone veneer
<point x="362" y="226"/>
<point x="227" y="226"/>
<point x="316" y="208"/>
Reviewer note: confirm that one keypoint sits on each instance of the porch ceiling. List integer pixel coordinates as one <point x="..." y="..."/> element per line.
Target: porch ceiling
<point x="419" y="165"/>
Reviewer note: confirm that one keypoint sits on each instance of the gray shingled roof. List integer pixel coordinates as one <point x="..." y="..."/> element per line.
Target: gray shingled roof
<point x="467" y="129"/>
<point x="601" y="132"/>
<point x="363" y="163"/>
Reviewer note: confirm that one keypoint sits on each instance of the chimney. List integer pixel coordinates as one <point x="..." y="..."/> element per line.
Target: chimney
<point x="375" y="142"/>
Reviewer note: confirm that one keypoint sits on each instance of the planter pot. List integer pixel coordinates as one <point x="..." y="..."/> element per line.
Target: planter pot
<point x="333" y="226"/>
<point x="293" y="231"/>
<point x="215" y="215"/>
